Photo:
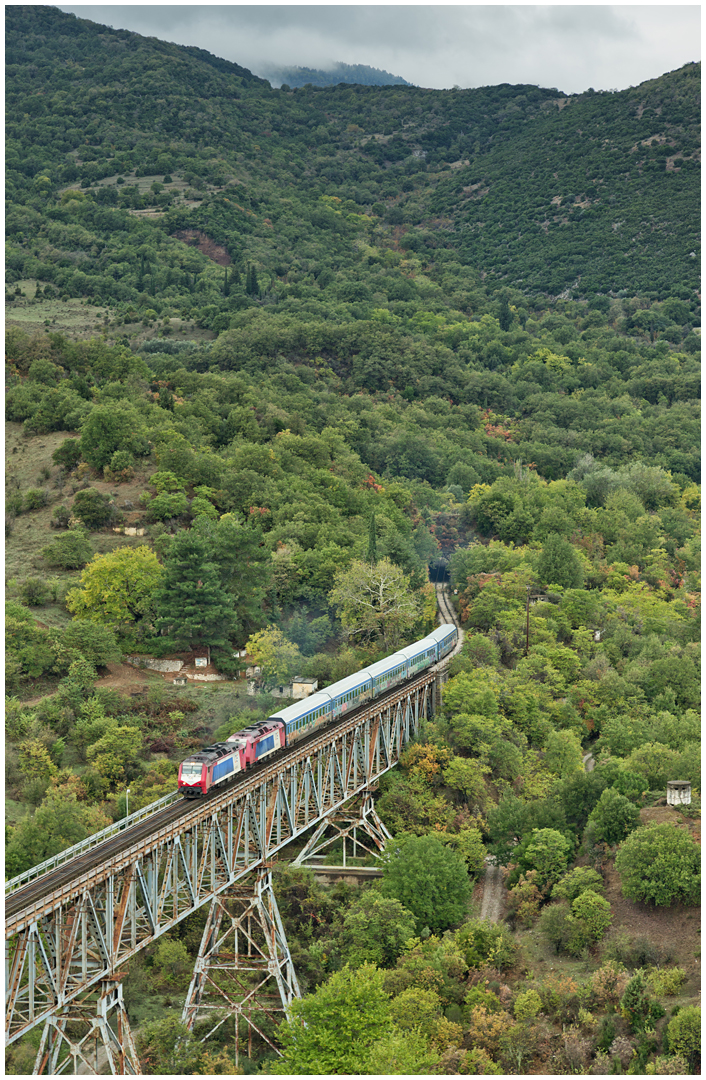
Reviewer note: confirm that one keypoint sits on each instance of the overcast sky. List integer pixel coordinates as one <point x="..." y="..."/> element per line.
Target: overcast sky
<point x="571" y="47"/>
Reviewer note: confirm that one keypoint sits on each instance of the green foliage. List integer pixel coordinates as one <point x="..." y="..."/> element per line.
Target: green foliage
<point x="559" y="564"/>
<point x="109" y="428"/>
<point x="659" y="864"/>
<point x="684" y="1036"/>
<point x="527" y="1005"/>
<point x="70" y="551"/>
<point x="118" y="589"/>
<point x="666" y="982"/>
<point x="278" y="658"/>
<point x="334" y="1029"/>
<point x="92" y="508"/>
<point x="428" y="880"/>
<point x="488" y="944"/>
<point x="58" y="822"/>
<point x="375" y="602"/>
<point x="612" y="818"/>
<point x="547" y="852"/>
<point x="579" y="880"/>
<point x="375" y="930"/>
<point x="167" y="1047"/>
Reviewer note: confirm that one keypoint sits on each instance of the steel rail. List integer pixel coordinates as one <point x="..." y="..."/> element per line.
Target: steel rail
<point x="104" y="855"/>
<point x="80" y="924"/>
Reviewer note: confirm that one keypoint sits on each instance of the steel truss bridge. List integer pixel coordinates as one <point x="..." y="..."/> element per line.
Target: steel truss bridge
<point x="71" y="930"/>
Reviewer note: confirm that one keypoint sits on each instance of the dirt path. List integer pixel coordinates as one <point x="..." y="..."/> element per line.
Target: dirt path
<point x="493" y="891"/>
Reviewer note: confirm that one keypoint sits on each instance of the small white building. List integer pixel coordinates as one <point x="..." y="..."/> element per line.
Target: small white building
<point x="678" y="793"/>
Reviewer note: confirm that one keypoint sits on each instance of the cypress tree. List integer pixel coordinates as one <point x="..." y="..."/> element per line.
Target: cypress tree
<point x="372" y="541"/>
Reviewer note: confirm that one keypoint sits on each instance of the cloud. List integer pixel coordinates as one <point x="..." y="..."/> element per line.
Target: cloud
<point x="571" y="47"/>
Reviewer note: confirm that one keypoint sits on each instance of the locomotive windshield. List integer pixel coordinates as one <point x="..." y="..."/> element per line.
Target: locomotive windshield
<point x="191" y="770"/>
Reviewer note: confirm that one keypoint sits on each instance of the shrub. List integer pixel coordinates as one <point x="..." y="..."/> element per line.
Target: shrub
<point x="579" y="880"/>
<point x="165" y="507"/>
<point x="527" y="1005"/>
<point x="555" y="923"/>
<point x="592" y="916"/>
<point x="608" y="983"/>
<point x="684" y="1036"/>
<point x="660" y="864"/>
<point x="485" y="1029"/>
<point x="70" y="551"/>
<point x="481" y="995"/>
<point x="68" y="454"/>
<point x="485" y="943"/>
<point x="35" y="499"/>
<point x="35" y="592"/>
<point x="61" y="517"/>
<point x="666" y="982"/>
<point x="92" y="508"/>
<point x="638" y="1008"/>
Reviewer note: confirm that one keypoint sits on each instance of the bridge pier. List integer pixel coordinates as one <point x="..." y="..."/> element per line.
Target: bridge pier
<point x="244" y="969"/>
<point x="108" y="1036"/>
<point x="347" y="822"/>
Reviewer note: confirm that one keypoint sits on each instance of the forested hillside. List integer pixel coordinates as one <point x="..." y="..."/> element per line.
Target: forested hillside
<point x="264" y="345"/>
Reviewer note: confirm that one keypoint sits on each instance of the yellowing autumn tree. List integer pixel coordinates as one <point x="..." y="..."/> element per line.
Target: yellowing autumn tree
<point x="277" y="657"/>
<point x="118" y="589"/>
<point x="375" y="602"/>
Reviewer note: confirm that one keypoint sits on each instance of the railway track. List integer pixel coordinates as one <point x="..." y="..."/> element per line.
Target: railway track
<point x="448" y="615"/>
<point x="55" y="879"/>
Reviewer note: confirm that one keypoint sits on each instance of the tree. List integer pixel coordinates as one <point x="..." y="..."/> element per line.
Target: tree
<point x="277" y="657"/>
<point x="70" y="551"/>
<point x="92" y="508"/>
<point x="334" y="1029"/>
<point x="579" y="880"/>
<point x="592" y="913"/>
<point x="428" y="879"/>
<point x="59" y="822"/>
<point x="684" y="1036"/>
<point x="548" y="853"/>
<point x="372" y="541"/>
<point x="375" y="602"/>
<point x="660" y="864"/>
<point x="559" y="564"/>
<point x="563" y="754"/>
<point x="94" y="642"/>
<point x="466" y="775"/>
<point x="244" y="563"/>
<point x="167" y="1047"/>
<point x="612" y="818"/>
<point x="107" y="428"/>
<point x="190" y="603"/>
<point x="118" y="589"/>
<point x="68" y="454"/>
<point x="376" y="929"/>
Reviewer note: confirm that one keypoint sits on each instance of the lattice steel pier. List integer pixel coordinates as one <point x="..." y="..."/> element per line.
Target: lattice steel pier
<point x="71" y="931"/>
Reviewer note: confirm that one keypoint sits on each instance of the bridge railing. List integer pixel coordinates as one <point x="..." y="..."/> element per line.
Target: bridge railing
<point x="90" y="842"/>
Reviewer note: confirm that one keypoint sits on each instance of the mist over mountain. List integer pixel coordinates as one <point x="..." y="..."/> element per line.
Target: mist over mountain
<point x="359" y="74"/>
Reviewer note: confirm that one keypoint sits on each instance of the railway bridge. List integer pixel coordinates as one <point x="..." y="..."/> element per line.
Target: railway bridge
<point x="73" y="923"/>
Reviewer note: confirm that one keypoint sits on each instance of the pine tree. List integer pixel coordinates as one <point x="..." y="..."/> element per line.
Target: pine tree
<point x="191" y="604"/>
<point x="226" y="283"/>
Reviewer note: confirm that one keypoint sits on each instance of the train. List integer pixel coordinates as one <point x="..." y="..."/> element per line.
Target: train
<point x="222" y="762"/>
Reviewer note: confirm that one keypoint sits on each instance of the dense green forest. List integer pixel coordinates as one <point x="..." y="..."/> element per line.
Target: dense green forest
<point x="265" y="343"/>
